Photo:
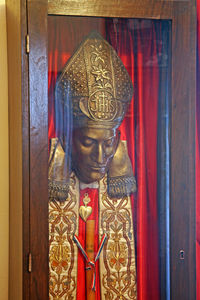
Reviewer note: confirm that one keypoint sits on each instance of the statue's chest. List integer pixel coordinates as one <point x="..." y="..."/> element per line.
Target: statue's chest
<point x="117" y="271"/>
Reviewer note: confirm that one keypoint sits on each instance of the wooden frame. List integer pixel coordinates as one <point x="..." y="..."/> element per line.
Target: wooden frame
<point x="29" y="125"/>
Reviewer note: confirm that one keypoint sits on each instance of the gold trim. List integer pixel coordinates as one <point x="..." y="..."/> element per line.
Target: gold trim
<point x="117" y="264"/>
<point x="99" y="85"/>
<point x="63" y="224"/>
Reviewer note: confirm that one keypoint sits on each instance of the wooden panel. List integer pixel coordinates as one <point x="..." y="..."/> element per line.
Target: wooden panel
<point x="4" y="158"/>
<point x="162" y="162"/>
<point x="38" y="71"/>
<point x="16" y="84"/>
<point x="183" y="283"/>
<point x="182" y="131"/>
<point x="114" y="8"/>
<point x="25" y="152"/>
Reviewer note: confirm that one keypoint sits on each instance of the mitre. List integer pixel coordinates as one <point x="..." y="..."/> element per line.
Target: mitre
<point x="93" y="90"/>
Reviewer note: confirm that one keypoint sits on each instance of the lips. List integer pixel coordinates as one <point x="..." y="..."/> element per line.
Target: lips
<point x="97" y="169"/>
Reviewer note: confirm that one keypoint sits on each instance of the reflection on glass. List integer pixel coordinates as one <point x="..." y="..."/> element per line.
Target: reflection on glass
<point x="108" y="112"/>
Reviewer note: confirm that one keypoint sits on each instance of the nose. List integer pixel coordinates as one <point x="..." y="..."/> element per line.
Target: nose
<point x="99" y="154"/>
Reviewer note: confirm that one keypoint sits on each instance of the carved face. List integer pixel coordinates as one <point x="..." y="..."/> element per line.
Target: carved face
<point x="92" y="153"/>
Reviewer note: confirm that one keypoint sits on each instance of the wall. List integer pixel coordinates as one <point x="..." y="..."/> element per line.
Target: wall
<point x="4" y="188"/>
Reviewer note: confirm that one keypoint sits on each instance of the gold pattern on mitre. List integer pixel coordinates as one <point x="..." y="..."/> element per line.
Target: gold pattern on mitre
<point x="98" y="84"/>
<point x="85" y="211"/>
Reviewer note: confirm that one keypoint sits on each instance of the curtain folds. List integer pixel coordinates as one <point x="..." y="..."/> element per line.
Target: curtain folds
<point x="143" y="47"/>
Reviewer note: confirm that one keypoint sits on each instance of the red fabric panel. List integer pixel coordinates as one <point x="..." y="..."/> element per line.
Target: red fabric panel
<point x="139" y="127"/>
<point x="93" y="194"/>
<point x="147" y="218"/>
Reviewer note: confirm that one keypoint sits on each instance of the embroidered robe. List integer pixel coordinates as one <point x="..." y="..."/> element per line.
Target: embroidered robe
<point x="116" y="267"/>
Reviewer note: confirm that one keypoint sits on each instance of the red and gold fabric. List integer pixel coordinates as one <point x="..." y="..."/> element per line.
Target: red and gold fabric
<point x="115" y="270"/>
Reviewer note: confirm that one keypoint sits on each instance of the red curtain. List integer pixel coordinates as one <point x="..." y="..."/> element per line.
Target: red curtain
<point x="139" y="44"/>
<point x="136" y="42"/>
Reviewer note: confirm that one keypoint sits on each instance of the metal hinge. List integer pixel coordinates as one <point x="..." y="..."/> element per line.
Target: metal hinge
<point x="30" y="263"/>
<point x="27" y="44"/>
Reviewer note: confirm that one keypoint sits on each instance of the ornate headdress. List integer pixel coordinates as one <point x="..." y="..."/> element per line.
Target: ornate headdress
<point x="97" y="84"/>
<point x="95" y="89"/>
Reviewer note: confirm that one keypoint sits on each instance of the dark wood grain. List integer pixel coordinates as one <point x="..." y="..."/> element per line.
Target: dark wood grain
<point x="25" y="152"/>
<point x="163" y="158"/>
<point x="113" y="8"/>
<point x="183" y="281"/>
<point x="38" y="87"/>
<point x="16" y="84"/>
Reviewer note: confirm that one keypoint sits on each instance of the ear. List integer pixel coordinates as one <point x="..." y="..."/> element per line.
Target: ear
<point x="117" y="139"/>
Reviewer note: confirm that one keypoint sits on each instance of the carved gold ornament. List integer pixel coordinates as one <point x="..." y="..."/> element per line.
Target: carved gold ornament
<point x="85" y="211"/>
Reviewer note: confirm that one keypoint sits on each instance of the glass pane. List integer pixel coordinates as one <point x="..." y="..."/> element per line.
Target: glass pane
<point x="108" y="158"/>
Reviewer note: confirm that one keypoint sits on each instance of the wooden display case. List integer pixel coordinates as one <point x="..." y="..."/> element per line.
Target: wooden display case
<point x="28" y="108"/>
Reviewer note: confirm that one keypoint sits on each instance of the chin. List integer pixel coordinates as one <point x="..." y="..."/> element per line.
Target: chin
<point x="96" y="177"/>
<point x="92" y="177"/>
